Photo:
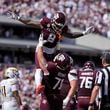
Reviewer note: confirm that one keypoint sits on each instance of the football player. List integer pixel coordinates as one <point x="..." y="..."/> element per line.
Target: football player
<point x="51" y="98"/>
<point x="69" y="102"/>
<point x="86" y="80"/>
<point x="9" y="90"/>
<point x="52" y="31"/>
<point x="70" y="86"/>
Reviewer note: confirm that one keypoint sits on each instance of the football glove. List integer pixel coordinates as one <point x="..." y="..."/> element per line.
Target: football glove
<point x="65" y="102"/>
<point x="13" y="15"/>
<point x="42" y="41"/>
<point x="88" y="30"/>
<point x="40" y="89"/>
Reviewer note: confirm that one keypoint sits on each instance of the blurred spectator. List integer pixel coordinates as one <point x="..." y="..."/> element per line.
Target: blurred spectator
<point x="80" y="13"/>
<point x="7" y="59"/>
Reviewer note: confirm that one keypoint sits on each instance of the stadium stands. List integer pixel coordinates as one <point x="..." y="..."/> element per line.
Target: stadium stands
<point x="80" y="13"/>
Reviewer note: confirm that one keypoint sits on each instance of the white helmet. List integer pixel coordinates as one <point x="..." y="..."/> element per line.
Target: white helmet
<point x="11" y="72"/>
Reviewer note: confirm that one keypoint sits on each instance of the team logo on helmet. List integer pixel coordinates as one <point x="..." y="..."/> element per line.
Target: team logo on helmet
<point x="62" y="61"/>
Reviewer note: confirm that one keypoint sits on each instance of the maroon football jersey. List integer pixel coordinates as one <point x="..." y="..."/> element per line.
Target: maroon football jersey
<point x="49" y="34"/>
<point x="86" y="80"/>
<point x="55" y="79"/>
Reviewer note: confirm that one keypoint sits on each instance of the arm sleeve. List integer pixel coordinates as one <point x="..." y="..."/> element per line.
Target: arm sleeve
<point x="69" y="34"/>
<point x="72" y="75"/>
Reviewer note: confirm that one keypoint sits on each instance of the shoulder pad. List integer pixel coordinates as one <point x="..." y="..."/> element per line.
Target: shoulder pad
<point x="13" y="81"/>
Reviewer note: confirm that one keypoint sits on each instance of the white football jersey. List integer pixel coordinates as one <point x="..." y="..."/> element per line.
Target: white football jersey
<point x="7" y="86"/>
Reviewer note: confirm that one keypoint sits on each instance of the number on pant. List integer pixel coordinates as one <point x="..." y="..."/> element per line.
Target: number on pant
<point x="86" y="82"/>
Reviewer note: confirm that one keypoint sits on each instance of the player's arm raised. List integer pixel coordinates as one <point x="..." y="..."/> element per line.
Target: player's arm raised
<point x="70" y="34"/>
<point x="27" y="21"/>
<point x="30" y="22"/>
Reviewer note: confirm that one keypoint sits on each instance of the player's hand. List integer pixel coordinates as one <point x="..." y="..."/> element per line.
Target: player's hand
<point x="88" y="30"/>
<point x="42" y="40"/>
<point x="13" y="15"/>
<point x="39" y="89"/>
<point x="65" y="102"/>
<point x="91" y="108"/>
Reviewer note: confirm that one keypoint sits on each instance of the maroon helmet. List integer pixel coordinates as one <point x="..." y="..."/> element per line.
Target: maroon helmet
<point x="89" y="64"/>
<point x="58" y="21"/>
<point x="62" y="61"/>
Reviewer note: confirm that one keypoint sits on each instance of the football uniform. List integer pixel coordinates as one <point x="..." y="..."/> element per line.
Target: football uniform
<point x="7" y="87"/>
<point x="86" y="80"/>
<point x="65" y="88"/>
<point x="52" y="99"/>
<point x="50" y="38"/>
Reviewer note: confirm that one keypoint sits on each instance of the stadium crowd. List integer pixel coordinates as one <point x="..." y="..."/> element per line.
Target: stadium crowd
<point x="80" y="13"/>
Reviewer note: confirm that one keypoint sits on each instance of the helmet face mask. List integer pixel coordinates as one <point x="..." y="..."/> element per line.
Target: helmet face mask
<point x="11" y="72"/>
<point x="58" y="21"/>
<point x="57" y="27"/>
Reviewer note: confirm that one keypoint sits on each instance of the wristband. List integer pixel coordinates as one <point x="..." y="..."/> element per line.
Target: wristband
<point x="46" y="74"/>
<point x="84" y="33"/>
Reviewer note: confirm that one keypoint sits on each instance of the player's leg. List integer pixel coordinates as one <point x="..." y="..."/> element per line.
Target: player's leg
<point x="83" y="103"/>
<point x="55" y="101"/>
<point x="38" y="81"/>
<point x="44" y="105"/>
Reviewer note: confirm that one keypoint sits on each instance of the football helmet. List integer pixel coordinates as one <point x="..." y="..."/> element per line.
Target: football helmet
<point x="58" y="21"/>
<point x="11" y="72"/>
<point x="62" y="61"/>
<point x="89" y="64"/>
